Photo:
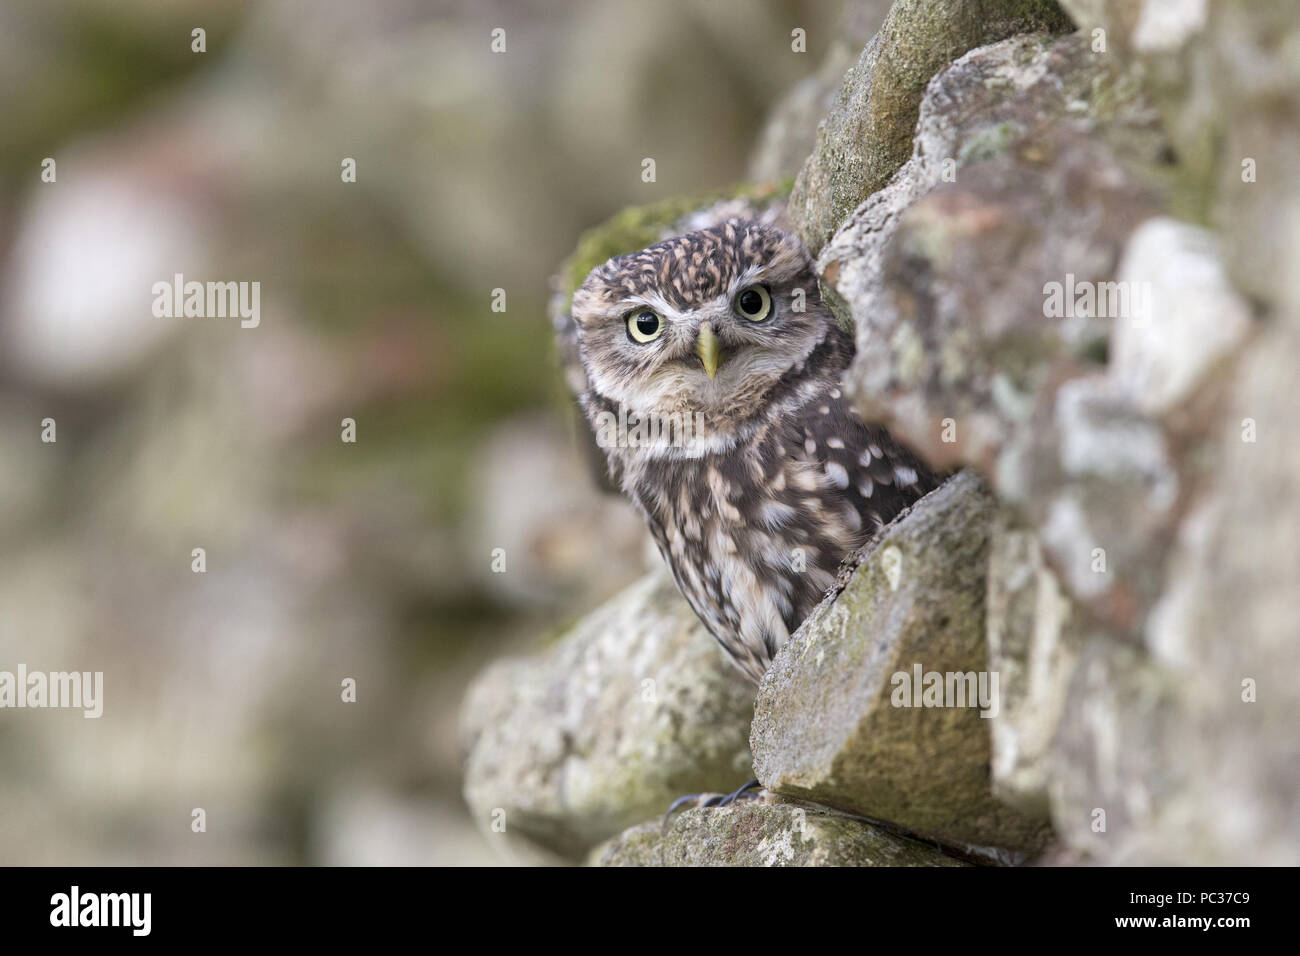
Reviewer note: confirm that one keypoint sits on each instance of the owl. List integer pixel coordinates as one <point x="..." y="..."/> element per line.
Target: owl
<point x="714" y="387"/>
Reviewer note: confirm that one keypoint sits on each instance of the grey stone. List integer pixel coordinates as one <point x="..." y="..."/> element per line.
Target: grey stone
<point x="1144" y="699"/>
<point x="633" y="707"/>
<point x="1227" y="81"/>
<point x="1114" y="765"/>
<point x="868" y="133"/>
<point x="1187" y="740"/>
<point x="826" y="727"/>
<point x="790" y="131"/>
<point x="1033" y="644"/>
<point x="1056" y="156"/>
<point x="1220" y="760"/>
<point x="945" y="286"/>
<point x="1193" y="321"/>
<point x="1146" y="26"/>
<point x="1108" y="507"/>
<point x="764" y="834"/>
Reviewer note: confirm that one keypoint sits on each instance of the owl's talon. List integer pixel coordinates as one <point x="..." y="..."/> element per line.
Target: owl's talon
<point x="716" y="800"/>
<point x="752" y="787"/>
<point x="672" y="807"/>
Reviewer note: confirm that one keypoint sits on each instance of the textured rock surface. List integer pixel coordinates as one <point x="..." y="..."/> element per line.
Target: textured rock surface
<point x="826" y="726"/>
<point x="1138" y="604"/>
<point x="1227" y="633"/>
<point x="1033" y="643"/>
<point x="764" y="834"/>
<point x="868" y="134"/>
<point x="1058" y="175"/>
<point x="790" y="132"/>
<point x="1227" y="81"/>
<point x="1195" y="322"/>
<point x="632" y="708"/>
<point x="944" y="284"/>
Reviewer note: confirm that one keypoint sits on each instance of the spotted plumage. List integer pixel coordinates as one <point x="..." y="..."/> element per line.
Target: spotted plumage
<point x="714" y="386"/>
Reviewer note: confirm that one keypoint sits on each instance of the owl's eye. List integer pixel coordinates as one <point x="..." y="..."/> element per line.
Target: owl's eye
<point x="644" y="326"/>
<point x="754" y="303"/>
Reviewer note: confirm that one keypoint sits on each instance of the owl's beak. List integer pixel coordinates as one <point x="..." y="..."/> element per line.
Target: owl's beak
<point x="708" y="349"/>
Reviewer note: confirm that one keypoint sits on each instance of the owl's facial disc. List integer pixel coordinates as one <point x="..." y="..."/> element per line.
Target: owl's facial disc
<point x="705" y="323"/>
<point x="717" y="356"/>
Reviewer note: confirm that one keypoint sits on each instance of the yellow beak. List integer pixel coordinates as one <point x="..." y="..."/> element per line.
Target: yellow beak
<point x="708" y="349"/>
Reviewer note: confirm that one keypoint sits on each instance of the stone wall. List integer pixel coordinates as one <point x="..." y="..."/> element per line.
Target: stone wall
<point x="1069" y="252"/>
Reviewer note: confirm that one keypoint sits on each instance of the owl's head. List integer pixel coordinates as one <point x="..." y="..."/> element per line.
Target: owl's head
<point x="703" y="323"/>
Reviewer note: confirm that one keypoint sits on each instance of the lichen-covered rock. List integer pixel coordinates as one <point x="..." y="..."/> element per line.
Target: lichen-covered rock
<point x="976" y="111"/>
<point x="1195" y="320"/>
<point x="764" y="834"/>
<point x="945" y="281"/>
<point x="632" y="708"/>
<point x="1190" y="747"/>
<point x="790" y="131"/>
<point x="1188" y="744"/>
<point x="1119" y="728"/>
<point x="1006" y="320"/>
<point x="837" y="720"/>
<point x="1033" y="643"/>
<point x="1138" y="601"/>
<point x="1227" y="82"/>
<point x="868" y="133"/>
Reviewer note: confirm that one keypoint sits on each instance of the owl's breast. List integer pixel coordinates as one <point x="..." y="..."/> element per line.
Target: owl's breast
<point x="753" y="538"/>
<point x="755" y="535"/>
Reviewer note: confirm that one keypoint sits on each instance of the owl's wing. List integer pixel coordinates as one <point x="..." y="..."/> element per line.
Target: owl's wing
<point x="878" y="475"/>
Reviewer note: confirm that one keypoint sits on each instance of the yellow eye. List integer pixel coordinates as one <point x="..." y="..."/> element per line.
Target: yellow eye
<point x="754" y="303"/>
<point x="644" y="326"/>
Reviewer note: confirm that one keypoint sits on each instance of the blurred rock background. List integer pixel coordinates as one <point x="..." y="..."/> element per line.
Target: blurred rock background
<point x="475" y="171"/>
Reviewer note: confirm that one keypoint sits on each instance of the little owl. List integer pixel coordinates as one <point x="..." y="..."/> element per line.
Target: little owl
<point x="714" y="384"/>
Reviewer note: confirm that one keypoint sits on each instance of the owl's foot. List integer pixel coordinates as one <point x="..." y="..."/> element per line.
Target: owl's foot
<point x="749" y="791"/>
